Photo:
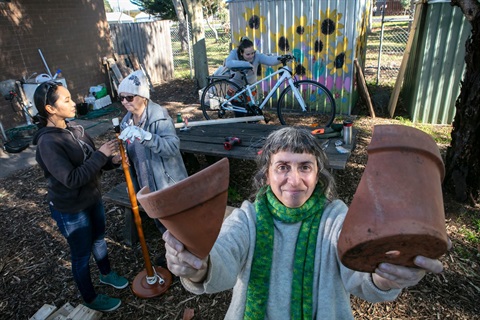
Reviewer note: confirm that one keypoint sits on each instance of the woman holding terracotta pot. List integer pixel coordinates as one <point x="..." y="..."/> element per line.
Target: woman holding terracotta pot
<point x="279" y="254"/>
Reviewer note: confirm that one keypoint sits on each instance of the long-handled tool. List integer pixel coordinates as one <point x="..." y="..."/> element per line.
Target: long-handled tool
<point x="153" y="281"/>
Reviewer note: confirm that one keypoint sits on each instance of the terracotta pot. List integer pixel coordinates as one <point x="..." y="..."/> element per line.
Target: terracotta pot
<point x="397" y="211"/>
<point x="192" y="209"/>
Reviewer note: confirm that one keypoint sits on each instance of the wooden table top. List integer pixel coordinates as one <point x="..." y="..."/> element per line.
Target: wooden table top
<point x="209" y="140"/>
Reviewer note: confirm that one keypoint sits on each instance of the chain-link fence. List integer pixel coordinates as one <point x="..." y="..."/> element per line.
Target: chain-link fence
<point x="217" y="41"/>
<point x="386" y="42"/>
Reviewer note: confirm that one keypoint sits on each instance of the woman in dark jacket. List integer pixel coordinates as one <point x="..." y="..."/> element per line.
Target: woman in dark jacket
<point x="72" y="167"/>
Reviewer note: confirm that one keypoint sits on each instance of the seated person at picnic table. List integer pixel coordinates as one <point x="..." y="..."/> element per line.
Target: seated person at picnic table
<point x="279" y="254"/>
<point x="153" y="147"/>
<point x="246" y="56"/>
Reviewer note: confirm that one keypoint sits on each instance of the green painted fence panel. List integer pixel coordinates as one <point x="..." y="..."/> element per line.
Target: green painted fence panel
<point x="436" y="64"/>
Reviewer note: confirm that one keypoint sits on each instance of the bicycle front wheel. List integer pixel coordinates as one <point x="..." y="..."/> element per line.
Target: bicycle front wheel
<point x="319" y="102"/>
<point x="214" y="102"/>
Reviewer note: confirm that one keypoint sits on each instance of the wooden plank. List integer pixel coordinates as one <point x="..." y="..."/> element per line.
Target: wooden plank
<point x="134" y="60"/>
<point x="362" y="85"/>
<point x="43" y="312"/>
<point x="124" y="64"/>
<point x="116" y="71"/>
<point x="82" y="312"/>
<point x="219" y="121"/>
<point x="62" y="313"/>
<point x="392" y="104"/>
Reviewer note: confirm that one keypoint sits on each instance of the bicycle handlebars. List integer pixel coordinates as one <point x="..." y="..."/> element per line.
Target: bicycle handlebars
<point x="285" y="58"/>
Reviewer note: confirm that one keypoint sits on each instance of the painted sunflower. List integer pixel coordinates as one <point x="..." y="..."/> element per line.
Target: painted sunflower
<point x="283" y="40"/>
<point x="361" y="35"/>
<point x="318" y="44"/>
<point x="255" y="22"/>
<point x="340" y="58"/>
<point x="329" y="23"/>
<point x="299" y="31"/>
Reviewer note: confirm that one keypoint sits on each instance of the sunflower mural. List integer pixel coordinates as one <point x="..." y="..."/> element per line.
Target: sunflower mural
<point x="255" y="26"/>
<point x="325" y="34"/>
<point x="324" y="42"/>
<point x="362" y="34"/>
<point x="300" y="32"/>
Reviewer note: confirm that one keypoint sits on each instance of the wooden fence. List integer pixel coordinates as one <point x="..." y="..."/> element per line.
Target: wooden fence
<point x="150" y="42"/>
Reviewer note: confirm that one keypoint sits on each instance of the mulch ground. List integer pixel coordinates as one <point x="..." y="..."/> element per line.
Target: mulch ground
<point x="35" y="263"/>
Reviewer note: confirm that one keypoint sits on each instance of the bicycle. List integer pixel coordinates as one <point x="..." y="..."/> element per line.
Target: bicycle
<point x="305" y="99"/>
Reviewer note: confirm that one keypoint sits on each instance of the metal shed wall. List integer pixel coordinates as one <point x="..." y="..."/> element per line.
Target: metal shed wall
<point x="325" y="36"/>
<point x="434" y="71"/>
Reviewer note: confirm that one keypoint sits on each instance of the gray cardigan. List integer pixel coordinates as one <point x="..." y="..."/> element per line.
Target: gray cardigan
<point x="231" y="258"/>
<point x="162" y="152"/>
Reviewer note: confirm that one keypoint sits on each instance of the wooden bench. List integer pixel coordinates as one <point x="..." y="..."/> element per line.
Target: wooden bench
<point x="119" y="196"/>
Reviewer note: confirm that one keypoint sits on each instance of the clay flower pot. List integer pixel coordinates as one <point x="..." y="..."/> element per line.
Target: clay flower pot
<point x="397" y="212"/>
<point x="192" y="209"/>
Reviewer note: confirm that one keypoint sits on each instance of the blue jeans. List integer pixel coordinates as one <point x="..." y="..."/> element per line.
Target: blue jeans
<point x="85" y="233"/>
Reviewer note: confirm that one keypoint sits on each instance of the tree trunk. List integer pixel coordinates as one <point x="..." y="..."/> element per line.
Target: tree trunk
<point x="463" y="154"/>
<point x="182" y="24"/>
<point x="195" y="13"/>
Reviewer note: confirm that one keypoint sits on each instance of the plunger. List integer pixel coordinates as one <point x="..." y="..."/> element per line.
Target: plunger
<point x="153" y="281"/>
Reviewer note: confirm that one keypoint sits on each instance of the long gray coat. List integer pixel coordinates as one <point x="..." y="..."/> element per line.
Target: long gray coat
<point x="162" y="152"/>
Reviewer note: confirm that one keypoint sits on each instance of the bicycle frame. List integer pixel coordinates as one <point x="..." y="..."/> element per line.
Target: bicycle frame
<point x="286" y="76"/>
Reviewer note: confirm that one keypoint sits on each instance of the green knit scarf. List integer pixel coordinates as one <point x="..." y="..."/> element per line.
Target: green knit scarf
<point x="269" y="207"/>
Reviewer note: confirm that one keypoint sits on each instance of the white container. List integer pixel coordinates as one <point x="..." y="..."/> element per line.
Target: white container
<point x="102" y="102"/>
<point x="214" y="104"/>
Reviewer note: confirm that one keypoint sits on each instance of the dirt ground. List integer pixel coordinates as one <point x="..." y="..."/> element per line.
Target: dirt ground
<point x="35" y="263"/>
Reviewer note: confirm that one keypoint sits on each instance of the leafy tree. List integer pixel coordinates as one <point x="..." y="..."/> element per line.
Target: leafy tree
<point x="167" y="10"/>
<point x="405" y="3"/>
<point x="164" y="9"/>
<point x="463" y="154"/>
<point x="108" y="8"/>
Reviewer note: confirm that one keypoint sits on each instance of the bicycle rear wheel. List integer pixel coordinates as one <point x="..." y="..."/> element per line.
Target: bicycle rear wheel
<point x="215" y="94"/>
<point x="319" y="101"/>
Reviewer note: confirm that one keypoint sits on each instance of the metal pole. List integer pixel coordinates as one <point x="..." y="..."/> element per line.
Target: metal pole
<point x="381" y="43"/>
<point x="189" y="50"/>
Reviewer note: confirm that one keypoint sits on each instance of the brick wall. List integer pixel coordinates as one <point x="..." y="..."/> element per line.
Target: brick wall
<point x="73" y="36"/>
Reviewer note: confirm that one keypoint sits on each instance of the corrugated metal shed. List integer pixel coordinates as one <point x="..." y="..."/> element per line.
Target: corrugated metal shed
<point x="324" y="35"/>
<point x="436" y="65"/>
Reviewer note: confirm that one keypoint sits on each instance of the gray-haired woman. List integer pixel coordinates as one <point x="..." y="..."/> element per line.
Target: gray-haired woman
<point x="279" y="254"/>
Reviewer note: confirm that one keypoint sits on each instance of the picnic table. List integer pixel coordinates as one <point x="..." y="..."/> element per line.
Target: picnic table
<point x="209" y="140"/>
